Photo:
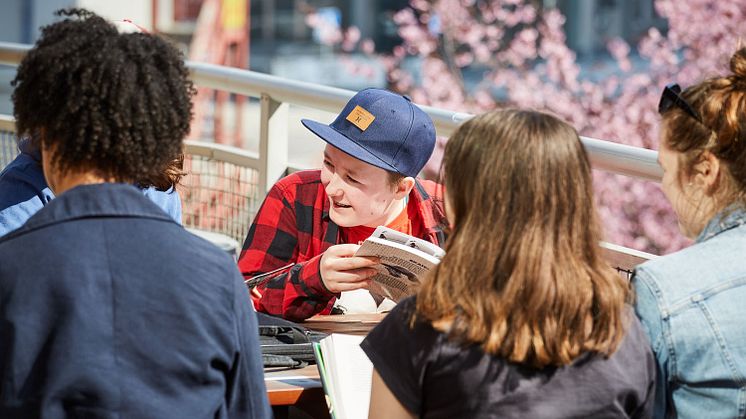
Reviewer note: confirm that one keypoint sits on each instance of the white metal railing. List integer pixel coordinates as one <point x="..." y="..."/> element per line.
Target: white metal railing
<point x="218" y="195"/>
<point x="276" y="93"/>
<point x="221" y="152"/>
<point x="605" y="155"/>
<point x="7" y="123"/>
<point x="220" y="192"/>
<point x="8" y="148"/>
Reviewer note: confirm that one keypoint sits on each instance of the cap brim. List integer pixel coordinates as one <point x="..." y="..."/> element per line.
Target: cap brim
<point x="344" y="143"/>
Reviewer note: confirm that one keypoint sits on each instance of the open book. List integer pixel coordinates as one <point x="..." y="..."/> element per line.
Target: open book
<point x="404" y="261"/>
<point x="346" y="374"/>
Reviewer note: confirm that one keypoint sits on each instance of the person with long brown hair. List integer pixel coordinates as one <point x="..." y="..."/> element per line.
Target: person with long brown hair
<point x="522" y="317"/>
<point x="692" y="302"/>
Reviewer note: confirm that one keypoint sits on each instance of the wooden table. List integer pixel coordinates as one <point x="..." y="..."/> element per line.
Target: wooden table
<point x="301" y="388"/>
<point x="351" y="324"/>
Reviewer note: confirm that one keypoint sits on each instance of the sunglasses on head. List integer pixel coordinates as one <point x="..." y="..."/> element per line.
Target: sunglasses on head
<point x="671" y="96"/>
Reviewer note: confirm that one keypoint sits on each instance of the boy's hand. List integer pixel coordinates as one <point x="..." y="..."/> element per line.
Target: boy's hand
<point x="341" y="271"/>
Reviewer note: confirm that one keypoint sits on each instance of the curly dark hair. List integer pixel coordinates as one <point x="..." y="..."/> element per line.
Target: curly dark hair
<point x="115" y="104"/>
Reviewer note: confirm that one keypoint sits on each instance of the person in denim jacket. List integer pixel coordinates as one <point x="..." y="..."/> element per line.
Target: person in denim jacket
<point x="693" y="302"/>
<point x="24" y="191"/>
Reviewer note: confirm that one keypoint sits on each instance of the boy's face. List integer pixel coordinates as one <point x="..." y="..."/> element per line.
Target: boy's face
<point x="359" y="193"/>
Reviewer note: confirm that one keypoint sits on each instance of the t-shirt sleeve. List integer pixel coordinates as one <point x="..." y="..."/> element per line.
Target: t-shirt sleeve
<point x="401" y="353"/>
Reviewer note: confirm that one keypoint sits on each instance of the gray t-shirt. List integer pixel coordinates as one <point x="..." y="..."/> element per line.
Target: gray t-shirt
<point x="437" y="378"/>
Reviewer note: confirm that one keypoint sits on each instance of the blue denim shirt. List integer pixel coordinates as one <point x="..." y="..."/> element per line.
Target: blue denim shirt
<point x="24" y="191"/>
<point x="692" y="304"/>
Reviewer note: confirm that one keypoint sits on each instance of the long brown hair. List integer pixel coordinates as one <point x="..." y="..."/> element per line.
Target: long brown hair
<point x="523" y="275"/>
<point x="721" y="105"/>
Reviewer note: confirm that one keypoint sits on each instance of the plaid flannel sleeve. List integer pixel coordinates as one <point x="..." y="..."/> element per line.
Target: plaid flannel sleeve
<point x="296" y="293"/>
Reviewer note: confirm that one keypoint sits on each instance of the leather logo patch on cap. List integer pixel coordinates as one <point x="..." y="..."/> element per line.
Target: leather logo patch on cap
<point x="360" y="118"/>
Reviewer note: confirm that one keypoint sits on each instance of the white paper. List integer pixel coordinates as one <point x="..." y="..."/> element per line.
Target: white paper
<point x="351" y="373"/>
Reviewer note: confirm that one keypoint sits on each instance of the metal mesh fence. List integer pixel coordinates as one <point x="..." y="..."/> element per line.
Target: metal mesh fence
<point x="216" y="196"/>
<point x="8" y="147"/>
<point x="219" y="196"/>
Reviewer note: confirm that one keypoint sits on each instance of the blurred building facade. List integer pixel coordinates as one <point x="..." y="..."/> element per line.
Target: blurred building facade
<point x="590" y="23"/>
<point x="280" y="42"/>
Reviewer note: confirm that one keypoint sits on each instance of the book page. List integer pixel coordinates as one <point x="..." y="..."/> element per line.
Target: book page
<point x="351" y="372"/>
<point x="326" y="381"/>
<point x="401" y="268"/>
<point x="386" y="233"/>
<point x="389" y="234"/>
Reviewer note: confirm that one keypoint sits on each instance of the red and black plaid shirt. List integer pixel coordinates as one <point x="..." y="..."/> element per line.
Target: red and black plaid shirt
<point x="293" y="228"/>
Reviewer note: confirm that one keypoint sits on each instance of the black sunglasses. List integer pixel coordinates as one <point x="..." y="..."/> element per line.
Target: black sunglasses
<point x="671" y="96"/>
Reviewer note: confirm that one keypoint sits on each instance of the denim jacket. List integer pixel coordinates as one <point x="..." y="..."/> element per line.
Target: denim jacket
<point x="692" y="304"/>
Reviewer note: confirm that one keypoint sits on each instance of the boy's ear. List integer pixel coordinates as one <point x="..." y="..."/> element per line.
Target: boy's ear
<point x="706" y="172"/>
<point x="404" y="187"/>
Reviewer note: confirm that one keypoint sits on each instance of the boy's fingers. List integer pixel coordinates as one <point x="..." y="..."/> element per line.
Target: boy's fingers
<point x="355" y="275"/>
<point x="354" y="286"/>
<point x="347" y="264"/>
<point x="343" y="250"/>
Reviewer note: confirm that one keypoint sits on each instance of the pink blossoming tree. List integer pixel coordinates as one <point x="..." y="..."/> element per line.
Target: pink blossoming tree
<point x="525" y="62"/>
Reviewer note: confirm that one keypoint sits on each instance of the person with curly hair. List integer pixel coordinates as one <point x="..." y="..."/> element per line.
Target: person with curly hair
<point x="24" y="191"/>
<point x="109" y="308"/>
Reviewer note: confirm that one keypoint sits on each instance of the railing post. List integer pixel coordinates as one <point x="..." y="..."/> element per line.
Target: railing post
<point x="273" y="142"/>
<point x="8" y="140"/>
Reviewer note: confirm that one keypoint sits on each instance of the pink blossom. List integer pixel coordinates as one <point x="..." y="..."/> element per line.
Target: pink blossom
<point x="537" y="69"/>
<point x="368" y="46"/>
<point x="619" y="49"/>
<point x="464" y="59"/>
<point x="421" y="5"/>
<point x="399" y="51"/>
<point x="351" y="38"/>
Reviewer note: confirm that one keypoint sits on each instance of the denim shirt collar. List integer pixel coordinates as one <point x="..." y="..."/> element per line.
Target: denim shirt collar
<point x="730" y="217"/>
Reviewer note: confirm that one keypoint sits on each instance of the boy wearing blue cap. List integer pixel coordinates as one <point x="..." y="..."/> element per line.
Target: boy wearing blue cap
<point x="305" y="235"/>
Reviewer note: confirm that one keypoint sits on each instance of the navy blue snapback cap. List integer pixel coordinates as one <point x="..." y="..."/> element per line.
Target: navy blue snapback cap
<point x="383" y="129"/>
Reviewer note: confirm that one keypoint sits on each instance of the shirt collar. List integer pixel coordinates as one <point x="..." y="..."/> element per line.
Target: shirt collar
<point x="430" y="213"/>
<point x="97" y="200"/>
<point x="731" y="217"/>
